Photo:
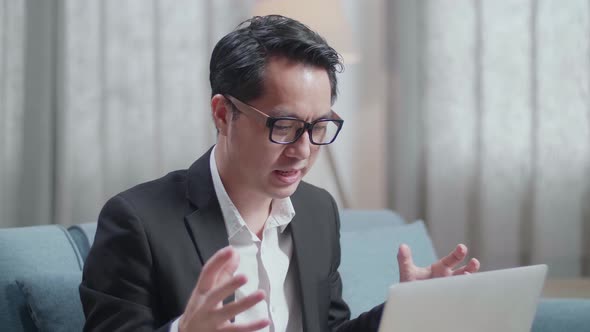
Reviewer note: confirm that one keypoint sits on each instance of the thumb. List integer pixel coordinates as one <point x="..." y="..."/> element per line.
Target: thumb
<point x="405" y="263"/>
<point x="404" y="257"/>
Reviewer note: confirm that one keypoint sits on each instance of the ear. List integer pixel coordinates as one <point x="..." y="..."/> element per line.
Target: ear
<point x="221" y="111"/>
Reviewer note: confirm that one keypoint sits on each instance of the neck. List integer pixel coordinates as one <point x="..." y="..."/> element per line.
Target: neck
<point x="254" y="211"/>
<point x="253" y="207"/>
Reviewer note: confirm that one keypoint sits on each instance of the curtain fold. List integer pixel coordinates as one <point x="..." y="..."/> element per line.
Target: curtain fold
<point x="12" y="73"/>
<point x="97" y="96"/>
<point x="498" y="107"/>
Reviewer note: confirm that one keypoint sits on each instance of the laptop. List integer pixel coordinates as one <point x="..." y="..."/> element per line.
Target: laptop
<point x="500" y="300"/>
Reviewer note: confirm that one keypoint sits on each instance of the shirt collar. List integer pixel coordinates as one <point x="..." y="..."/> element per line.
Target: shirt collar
<point x="281" y="214"/>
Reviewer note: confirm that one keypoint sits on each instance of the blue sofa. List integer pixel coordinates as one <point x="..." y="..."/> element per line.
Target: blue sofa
<point x="40" y="269"/>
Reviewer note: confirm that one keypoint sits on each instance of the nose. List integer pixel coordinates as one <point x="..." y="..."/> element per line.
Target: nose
<point x="301" y="148"/>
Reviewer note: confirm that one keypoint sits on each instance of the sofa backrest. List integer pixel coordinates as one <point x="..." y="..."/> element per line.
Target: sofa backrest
<point x="369" y="242"/>
<point x="31" y="251"/>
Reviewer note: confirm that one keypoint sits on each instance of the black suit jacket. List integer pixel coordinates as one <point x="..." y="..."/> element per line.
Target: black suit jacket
<point x="152" y="241"/>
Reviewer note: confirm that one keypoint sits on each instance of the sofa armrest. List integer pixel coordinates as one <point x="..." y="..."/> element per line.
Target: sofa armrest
<point x="570" y="315"/>
<point x="83" y="235"/>
<point x="31" y="251"/>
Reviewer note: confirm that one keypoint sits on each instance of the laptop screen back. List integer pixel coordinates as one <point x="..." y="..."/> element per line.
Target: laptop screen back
<point x="501" y="300"/>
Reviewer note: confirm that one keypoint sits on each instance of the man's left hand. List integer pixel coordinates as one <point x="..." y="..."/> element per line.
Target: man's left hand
<point x="447" y="266"/>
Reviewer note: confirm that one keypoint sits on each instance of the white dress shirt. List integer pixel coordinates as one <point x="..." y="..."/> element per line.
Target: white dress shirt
<point x="265" y="262"/>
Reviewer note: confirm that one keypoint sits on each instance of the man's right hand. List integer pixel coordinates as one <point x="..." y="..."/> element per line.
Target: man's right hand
<point x="205" y="310"/>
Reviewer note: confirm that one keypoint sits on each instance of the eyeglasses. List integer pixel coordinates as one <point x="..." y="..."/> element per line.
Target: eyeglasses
<point x="287" y="130"/>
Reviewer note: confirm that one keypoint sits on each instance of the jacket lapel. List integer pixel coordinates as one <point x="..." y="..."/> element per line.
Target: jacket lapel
<point x="208" y="232"/>
<point x="301" y="230"/>
<point x="204" y="220"/>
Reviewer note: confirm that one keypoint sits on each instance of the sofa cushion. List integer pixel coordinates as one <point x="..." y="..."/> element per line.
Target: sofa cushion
<point x="53" y="300"/>
<point x="369" y="263"/>
<point x="29" y="251"/>
<point x="572" y="315"/>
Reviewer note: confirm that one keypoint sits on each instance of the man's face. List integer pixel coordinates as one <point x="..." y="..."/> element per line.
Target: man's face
<point x="268" y="169"/>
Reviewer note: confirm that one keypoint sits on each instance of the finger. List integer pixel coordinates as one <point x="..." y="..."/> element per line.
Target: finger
<point x="232" y="309"/>
<point x="407" y="270"/>
<point x="224" y="290"/>
<point x="213" y="266"/>
<point x="404" y="257"/>
<point x="207" y="276"/>
<point x="455" y="257"/>
<point x="228" y="269"/>
<point x="248" y="327"/>
<point x="461" y="271"/>
<point x="471" y="267"/>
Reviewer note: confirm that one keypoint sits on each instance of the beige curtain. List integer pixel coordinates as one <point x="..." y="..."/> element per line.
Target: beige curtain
<point x="479" y="123"/>
<point x="490" y="134"/>
<point x="12" y="73"/>
<point x="99" y="95"/>
<point x="96" y="96"/>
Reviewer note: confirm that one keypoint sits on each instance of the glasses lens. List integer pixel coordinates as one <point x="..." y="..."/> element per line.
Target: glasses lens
<point x="324" y="131"/>
<point x="286" y="130"/>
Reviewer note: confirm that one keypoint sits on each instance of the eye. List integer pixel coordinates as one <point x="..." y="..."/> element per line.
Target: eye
<point x="320" y="126"/>
<point x="285" y="126"/>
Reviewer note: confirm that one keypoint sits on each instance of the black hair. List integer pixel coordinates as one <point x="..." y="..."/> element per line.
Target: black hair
<point x="239" y="59"/>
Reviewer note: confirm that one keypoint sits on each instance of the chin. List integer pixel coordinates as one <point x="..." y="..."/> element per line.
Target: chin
<point x="279" y="193"/>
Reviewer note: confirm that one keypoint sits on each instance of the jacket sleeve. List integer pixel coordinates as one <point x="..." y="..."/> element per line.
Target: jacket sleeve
<point x="339" y="313"/>
<point x="117" y="291"/>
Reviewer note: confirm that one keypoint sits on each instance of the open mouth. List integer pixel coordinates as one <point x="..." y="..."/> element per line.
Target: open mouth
<point x="287" y="173"/>
<point x="287" y="177"/>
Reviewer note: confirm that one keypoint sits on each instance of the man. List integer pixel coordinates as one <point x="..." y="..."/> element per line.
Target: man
<point x="237" y="242"/>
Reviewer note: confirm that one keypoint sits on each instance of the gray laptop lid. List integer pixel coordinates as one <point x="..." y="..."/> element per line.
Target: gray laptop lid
<point x="501" y="300"/>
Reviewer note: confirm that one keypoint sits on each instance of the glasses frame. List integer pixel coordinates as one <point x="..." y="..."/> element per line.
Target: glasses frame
<point x="270" y="121"/>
